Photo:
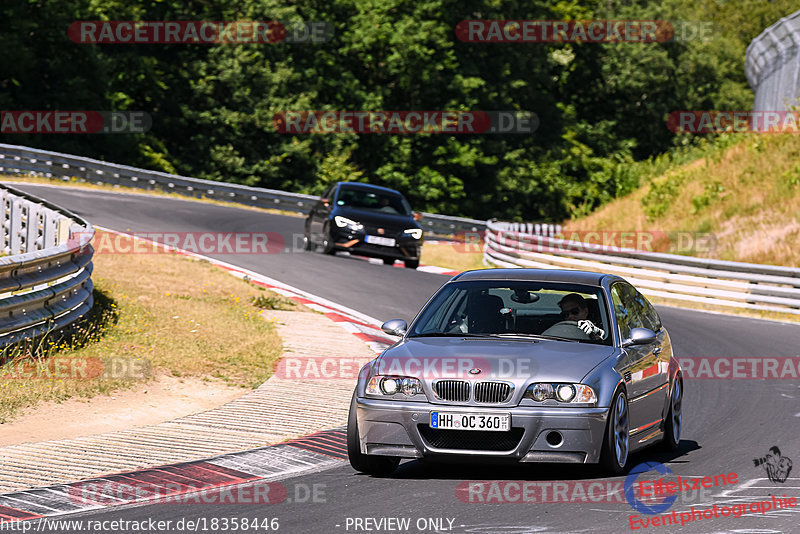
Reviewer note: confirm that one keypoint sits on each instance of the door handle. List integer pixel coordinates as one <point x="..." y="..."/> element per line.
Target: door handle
<point x="657" y="350"/>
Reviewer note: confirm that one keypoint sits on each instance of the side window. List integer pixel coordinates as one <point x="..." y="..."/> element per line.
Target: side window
<point x="329" y="193"/>
<point x="620" y="312"/>
<point x="651" y="318"/>
<point x="629" y="307"/>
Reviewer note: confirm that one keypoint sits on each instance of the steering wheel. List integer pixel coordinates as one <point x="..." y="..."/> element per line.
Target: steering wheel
<point x="566" y="329"/>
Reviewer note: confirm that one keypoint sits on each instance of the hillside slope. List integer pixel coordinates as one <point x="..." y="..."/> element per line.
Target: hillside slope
<point x="747" y="196"/>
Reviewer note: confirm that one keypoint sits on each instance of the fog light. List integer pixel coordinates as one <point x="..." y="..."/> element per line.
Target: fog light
<point x="554" y="438"/>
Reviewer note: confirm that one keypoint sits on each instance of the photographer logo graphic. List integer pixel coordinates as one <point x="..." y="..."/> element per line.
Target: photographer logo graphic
<point x="777" y="467"/>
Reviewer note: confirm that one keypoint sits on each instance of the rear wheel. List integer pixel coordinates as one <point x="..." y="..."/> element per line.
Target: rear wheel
<point x="388" y="261"/>
<point x="412" y="264"/>
<point x="614" y="454"/>
<point x="672" y="428"/>
<point x="365" y="463"/>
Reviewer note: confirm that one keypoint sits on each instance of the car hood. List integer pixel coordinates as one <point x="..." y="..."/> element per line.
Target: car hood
<point x="517" y="361"/>
<point x="376" y="218"/>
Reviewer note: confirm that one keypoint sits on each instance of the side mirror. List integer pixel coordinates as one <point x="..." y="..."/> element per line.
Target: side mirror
<point x="640" y="336"/>
<point x="417" y="216"/>
<point x="395" y="327"/>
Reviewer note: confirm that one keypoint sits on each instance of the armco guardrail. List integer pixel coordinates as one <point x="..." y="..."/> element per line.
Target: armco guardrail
<point x="23" y="160"/>
<point x="45" y="280"/>
<point x="720" y="283"/>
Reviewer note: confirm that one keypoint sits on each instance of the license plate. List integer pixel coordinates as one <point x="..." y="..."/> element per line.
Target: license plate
<point x="378" y="240"/>
<point x="470" y="421"/>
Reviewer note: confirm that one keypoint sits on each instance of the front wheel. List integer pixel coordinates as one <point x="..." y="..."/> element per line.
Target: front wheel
<point x="672" y="429"/>
<point x="614" y="454"/>
<point x="388" y="261"/>
<point x="365" y="463"/>
<point x="412" y="264"/>
<point x="327" y="242"/>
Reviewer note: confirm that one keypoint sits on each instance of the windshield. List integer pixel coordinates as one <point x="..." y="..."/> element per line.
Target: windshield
<point x="373" y="200"/>
<point x="516" y="308"/>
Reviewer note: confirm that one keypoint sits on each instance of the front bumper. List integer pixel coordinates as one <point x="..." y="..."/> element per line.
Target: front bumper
<point x="405" y="248"/>
<point x="389" y="428"/>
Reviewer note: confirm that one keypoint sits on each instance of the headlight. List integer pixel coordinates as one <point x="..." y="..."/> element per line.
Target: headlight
<point x="389" y="385"/>
<point x="342" y="222"/>
<point x="565" y="393"/>
<point x="416" y="233"/>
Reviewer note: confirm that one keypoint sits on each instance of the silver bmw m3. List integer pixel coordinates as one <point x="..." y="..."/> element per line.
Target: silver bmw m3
<point x="526" y="365"/>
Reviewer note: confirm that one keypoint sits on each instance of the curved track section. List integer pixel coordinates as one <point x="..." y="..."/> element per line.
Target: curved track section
<point x="728" y="423"/>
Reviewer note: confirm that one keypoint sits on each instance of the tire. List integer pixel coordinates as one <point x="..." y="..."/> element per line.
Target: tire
<point x="327" y="242"/>
<point x="371" y="465"/>
<point x="412" y="264"/>
<point x="616" y="442"/>
<point x="388" y="261"/>
<point x="674" y="423"/>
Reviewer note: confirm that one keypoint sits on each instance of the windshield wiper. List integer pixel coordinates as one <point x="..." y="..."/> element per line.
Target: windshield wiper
<point x="534" y="336"/>
<point x="450" y="334"/>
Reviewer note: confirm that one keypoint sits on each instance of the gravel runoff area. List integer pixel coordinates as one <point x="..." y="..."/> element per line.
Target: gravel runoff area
<point x="278" y="410"/>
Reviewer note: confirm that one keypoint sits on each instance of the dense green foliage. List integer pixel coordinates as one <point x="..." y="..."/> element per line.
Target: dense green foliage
<point x="602" y="107"/>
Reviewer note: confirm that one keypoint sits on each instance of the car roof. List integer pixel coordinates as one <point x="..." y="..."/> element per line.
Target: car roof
<point x="367" y="187"/>
<point x="537" y="275"/>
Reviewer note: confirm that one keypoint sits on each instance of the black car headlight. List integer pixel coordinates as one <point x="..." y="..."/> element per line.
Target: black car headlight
<point x="392" y="385"/>
<point x="563" y="393"/>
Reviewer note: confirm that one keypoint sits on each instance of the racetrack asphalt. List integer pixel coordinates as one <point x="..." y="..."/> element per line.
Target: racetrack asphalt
<point x="727" y="424"/>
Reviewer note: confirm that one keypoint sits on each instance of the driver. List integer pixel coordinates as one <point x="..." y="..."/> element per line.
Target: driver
<point x="574" y="308"/>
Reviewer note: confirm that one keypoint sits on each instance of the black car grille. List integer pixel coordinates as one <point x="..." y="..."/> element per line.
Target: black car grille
<point x="452" y="390"/>
<point x="478" y="440"/>
<point x="387" y="232"/>
<point x="492" y="391"/>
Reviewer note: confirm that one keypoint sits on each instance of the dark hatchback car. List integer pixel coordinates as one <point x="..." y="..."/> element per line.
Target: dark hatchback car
<point x="365" y="219"/>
